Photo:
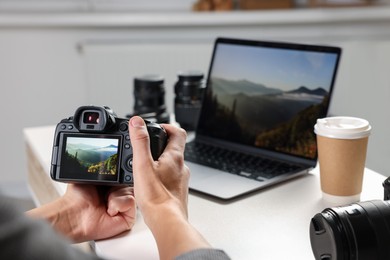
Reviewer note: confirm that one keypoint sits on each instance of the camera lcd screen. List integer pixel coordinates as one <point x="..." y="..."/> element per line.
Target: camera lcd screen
<point x="90" y="157"/>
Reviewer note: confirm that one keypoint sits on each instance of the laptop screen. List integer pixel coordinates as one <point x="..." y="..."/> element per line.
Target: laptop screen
<point x="268" y="95"/>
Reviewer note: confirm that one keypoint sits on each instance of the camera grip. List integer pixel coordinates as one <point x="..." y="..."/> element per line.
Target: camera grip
<point x="158" y="139"/>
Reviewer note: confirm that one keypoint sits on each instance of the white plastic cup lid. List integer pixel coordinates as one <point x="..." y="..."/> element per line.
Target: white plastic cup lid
<point x="342" y="127"/>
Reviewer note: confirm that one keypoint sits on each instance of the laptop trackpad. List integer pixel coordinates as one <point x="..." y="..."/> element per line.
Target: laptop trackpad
<point x="218" y="183"/>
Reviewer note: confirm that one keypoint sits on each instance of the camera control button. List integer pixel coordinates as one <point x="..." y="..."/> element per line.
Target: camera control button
<point x="130" y="163"/>
<point x="127" y="146"/>
<point x="123" y="127"/>
<point x="127" y="137"/>
<point x="70" y="127"/>
<point x="128" y="178"/>
<point x="63" y="127"/>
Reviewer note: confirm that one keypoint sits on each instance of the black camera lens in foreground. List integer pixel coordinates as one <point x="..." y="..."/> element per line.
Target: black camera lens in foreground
<point x="91" y="118"/>
<point x="359" y="231"/>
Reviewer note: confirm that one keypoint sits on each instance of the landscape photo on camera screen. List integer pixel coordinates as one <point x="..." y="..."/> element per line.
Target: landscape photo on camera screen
<point x="90" y="158"/>
<point x="268" y="97"/>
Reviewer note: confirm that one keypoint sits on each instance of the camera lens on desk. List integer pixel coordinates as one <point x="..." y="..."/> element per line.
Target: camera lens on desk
<point x="360" y="231"/>
<point x="149" y="95"/>
<point x="188" y="100"/>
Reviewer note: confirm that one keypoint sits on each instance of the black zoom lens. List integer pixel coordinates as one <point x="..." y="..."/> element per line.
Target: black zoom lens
<point x="359" y="231"/>
<point x="188" y="100"/>
<point x="149" y="94"/>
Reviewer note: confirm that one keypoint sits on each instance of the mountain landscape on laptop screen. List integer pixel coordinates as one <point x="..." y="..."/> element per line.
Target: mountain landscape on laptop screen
<point x="269" y="98"/>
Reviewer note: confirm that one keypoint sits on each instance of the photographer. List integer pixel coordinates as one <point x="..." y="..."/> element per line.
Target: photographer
<point x="86" y="212"/>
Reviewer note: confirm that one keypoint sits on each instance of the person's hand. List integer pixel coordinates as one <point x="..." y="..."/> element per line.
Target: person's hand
<point x="162" y="183"/>
<point x="88" y="212"/>
<point x="161" y="190"/>
<point x="102" y="212"/>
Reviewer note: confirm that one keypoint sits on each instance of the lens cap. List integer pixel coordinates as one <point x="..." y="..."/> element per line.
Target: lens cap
<point x="323" y="242"/>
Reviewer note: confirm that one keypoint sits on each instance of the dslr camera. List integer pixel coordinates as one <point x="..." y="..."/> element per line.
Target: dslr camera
<point x="360" y="231"/>
<point x="93" y="146"/>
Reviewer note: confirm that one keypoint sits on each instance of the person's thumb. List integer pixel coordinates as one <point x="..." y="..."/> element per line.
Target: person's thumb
<point x="140" y="142"/>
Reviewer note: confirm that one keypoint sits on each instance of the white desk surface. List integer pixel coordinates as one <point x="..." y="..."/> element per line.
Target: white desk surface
<point x="269" y="224"/>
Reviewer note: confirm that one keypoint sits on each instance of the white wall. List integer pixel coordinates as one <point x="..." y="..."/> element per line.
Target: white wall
<point x="42" y="79"/>
<point x="50" y="65"/>
<point x="112" y="67"/>
<point x="363" y="90"/>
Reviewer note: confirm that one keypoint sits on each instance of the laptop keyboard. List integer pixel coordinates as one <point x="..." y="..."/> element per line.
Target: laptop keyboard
<point x="250" y="166"/>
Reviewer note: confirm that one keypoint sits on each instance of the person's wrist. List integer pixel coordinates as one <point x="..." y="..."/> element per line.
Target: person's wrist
<point x="68" y="219"/>
<point x="154" y="215"/>
<point x="62" y="215"/>
<point x="173" y="232"/>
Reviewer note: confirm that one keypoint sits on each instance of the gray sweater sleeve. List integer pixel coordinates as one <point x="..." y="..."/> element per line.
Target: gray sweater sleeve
<point x="25" y="238"/>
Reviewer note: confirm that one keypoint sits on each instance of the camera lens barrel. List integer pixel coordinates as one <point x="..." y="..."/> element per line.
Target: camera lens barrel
<point x="359" y="231"/>
<point x="149" y="95"/>
<point x="188" y="100"/>
<point x="188" y="88"/>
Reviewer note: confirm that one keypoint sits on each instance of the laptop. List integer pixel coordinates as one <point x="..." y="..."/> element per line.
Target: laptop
<point x="260" y="105"/>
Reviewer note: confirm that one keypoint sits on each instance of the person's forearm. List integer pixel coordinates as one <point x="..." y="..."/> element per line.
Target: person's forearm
<point x="175" y="235"/>
<point x="61" y="215"/>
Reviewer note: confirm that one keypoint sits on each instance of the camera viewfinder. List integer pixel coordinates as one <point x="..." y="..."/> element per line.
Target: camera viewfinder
<point x="91" y="118"/>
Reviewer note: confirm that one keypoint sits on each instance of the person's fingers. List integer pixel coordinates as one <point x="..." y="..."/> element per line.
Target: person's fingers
<point x="140" y="142"/>
<point x="122" y="212"/>
<point x="118" y="191"/>
<point x="177" y="138"/>
<point x="120" y="204"/>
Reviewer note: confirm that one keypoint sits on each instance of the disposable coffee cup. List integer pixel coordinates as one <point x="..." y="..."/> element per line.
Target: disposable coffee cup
<point x="342" y="148"/>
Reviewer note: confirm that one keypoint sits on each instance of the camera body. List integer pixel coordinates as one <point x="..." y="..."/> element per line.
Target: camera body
<point x="94" y="147"/>
<point x="360" y="231"/>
